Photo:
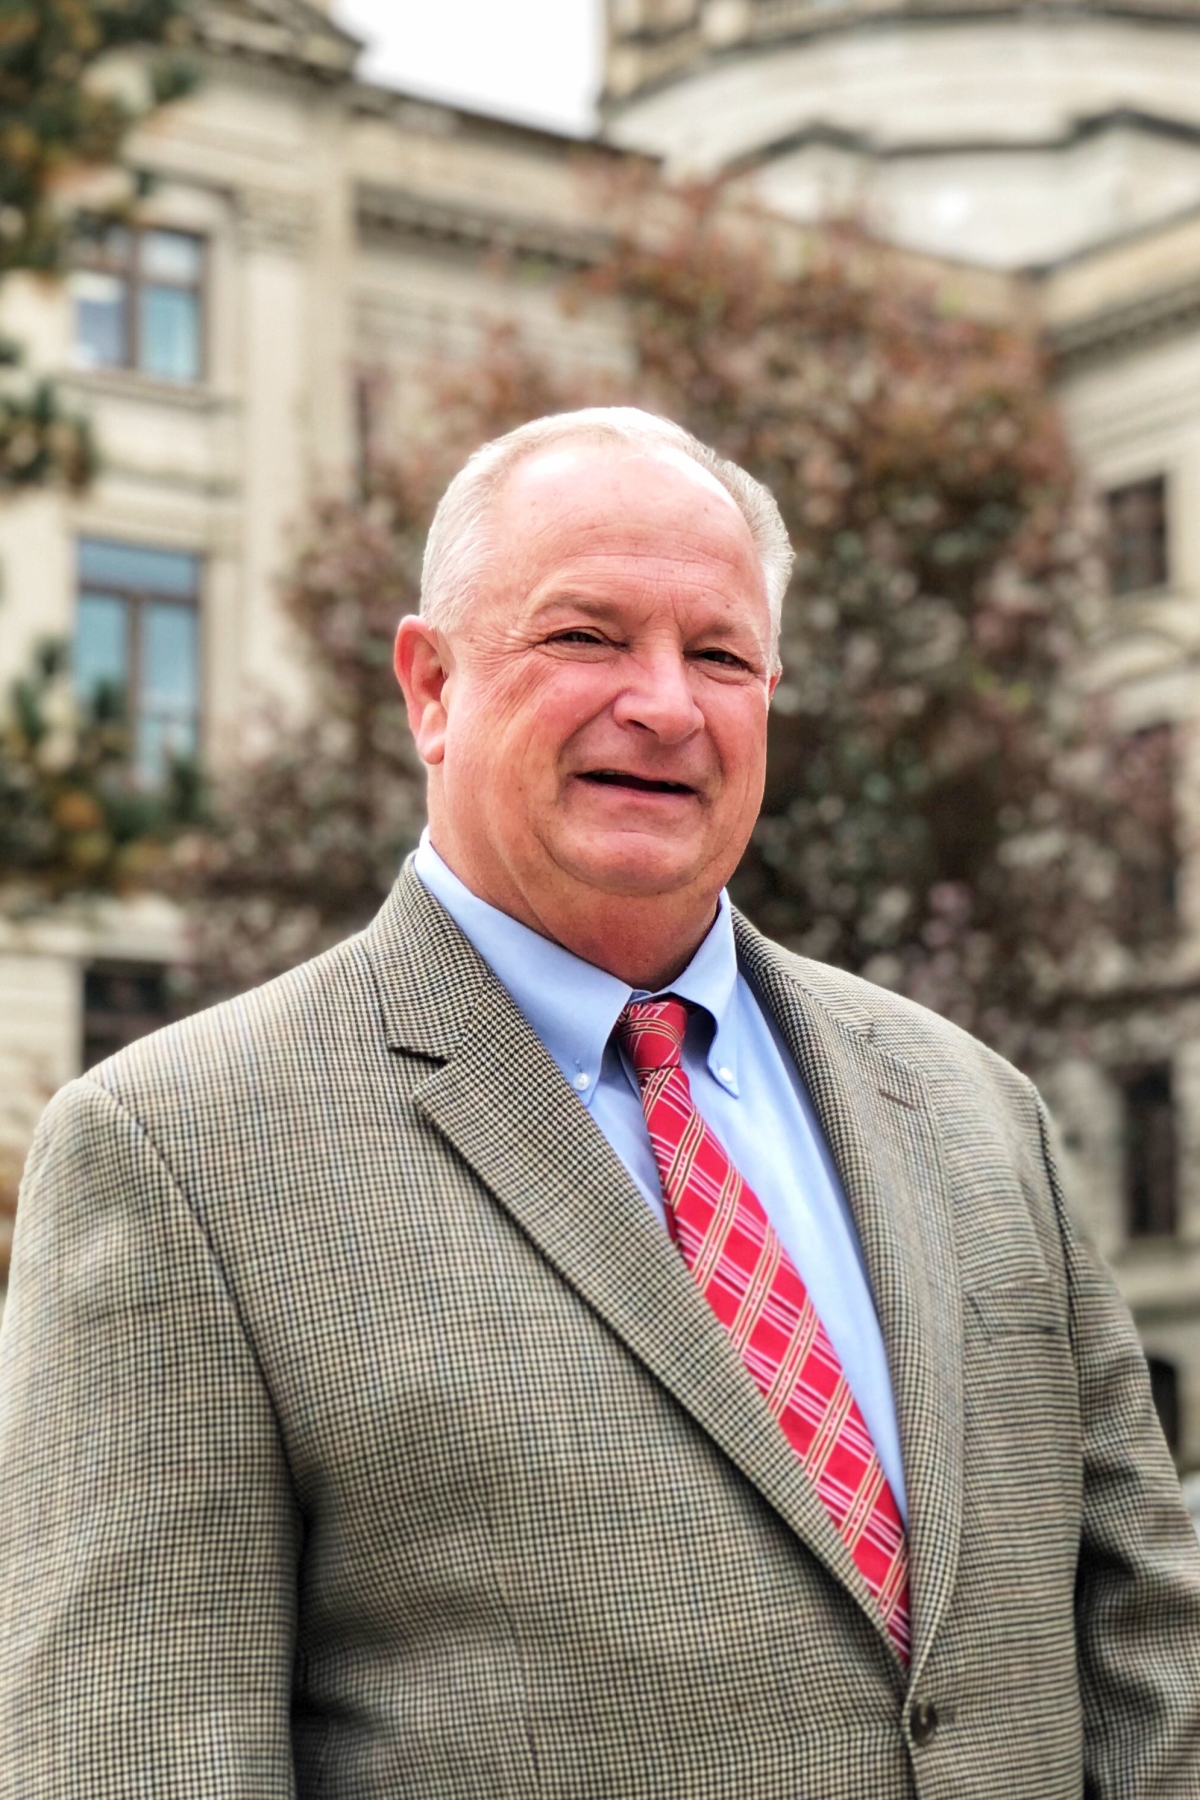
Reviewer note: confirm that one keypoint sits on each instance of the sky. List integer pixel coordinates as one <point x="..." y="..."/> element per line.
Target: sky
<point x="534" y="60"/>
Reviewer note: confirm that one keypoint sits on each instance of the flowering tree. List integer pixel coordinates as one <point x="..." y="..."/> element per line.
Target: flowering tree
<point x="310" y="829"/>
<point x="938" y="814"/>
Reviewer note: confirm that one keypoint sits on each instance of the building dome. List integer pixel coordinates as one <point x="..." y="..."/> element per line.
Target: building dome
<point x="1005" y="136"/>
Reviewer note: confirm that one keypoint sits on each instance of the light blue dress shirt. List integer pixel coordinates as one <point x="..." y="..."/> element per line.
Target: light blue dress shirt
<point x="746" y="1087"/>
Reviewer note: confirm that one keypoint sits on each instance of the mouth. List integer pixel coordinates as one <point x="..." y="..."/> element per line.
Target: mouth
<point x="637" y="784"/>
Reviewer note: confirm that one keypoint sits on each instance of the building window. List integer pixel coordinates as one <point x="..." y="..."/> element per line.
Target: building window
<point x="137" y="649"/>
<point x="138" y="297"/>
<point x="121" y="1001"/>
<point x="1150" y="1208"/>
<point x="1137" y="536"/>
<point x="1164" y="1386"/>
<point x="1143" y="835"/>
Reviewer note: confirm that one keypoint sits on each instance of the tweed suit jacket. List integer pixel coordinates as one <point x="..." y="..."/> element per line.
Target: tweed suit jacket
<point x="362" y="1434"/>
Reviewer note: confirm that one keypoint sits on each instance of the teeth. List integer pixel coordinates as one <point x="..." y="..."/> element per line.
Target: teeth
<point x="620" y="778"/>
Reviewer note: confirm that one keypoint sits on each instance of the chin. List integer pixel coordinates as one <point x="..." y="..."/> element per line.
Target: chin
<point x="638" y="869"/>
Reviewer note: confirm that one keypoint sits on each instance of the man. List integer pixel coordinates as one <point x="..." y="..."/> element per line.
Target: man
<point x="558" y="1342"/>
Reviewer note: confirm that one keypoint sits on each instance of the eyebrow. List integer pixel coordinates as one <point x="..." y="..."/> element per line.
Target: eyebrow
<point x="597" y="607"/>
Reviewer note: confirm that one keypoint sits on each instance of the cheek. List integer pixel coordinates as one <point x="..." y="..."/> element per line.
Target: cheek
<point x="514" y="724"/>
<point x="739" y="735"/>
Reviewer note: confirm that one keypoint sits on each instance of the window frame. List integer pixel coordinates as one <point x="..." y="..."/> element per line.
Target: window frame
<point x="137" y="600"/>
<point x="1143" y="1229"/>
<point x="89" y="255"/>
<point x="1167" y="1392"/>
<point x="1160" y="479"/>
<point x="120" y="1026"/>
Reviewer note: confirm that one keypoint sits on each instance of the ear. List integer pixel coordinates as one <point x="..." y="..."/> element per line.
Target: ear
<point x="423" y="665"/>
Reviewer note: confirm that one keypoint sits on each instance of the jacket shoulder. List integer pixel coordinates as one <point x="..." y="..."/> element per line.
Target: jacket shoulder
<point x="256" y="1040"/>
<point x="900" y="1027"/>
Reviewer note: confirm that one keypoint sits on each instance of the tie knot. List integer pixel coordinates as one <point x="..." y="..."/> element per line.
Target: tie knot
<point x="651" y="1033"/>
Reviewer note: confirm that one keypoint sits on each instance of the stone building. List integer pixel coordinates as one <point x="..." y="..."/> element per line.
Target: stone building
<point x="303" y="241"/>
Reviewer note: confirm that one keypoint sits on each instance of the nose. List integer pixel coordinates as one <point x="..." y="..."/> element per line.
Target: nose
<point x="658" y="697"/>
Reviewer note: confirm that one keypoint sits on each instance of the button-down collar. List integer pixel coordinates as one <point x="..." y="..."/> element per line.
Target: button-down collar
<point x="571" y="1004"/>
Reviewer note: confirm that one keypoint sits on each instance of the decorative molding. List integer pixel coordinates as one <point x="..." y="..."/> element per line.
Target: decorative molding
<point x="274" y="219"/>
<point x="397" y="212"/>
<point x="150" y="390"/>
<point x="1119" y="330"/>
<point x="289" y="33"/>
<point x="645" y="57"/>
<point x="1078" y="131"/>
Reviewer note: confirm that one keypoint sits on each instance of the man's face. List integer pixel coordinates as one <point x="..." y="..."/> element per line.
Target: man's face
<point x="605" y="706"/>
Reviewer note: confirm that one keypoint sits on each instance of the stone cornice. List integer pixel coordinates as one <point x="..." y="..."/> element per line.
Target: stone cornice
<point x="398" y="212"/>
<point x="287" y="33"/>
<point x="441" y="118"/>
<point x="1117" y="330"/>
<point x="641" y="60"/>
<point x="859" y="143"/>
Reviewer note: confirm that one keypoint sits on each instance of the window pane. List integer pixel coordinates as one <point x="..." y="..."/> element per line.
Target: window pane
<point x="1150" y="1153"/>
<point x="170" y="688"/>
<point x="1137" y="526"/>
<point x="101" y="654"/>
<point x="103" y="562"/>
<point x="169" y="659"/>
<point x="100" y="319"/>
<point x="169" y="333"/>
<point x="121" y="1002"/>
<point x="171" y="256"/>
<point x="1164" y="1387"/>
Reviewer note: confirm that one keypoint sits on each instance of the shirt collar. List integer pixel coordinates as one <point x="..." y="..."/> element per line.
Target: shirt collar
<point x="571" y="1004"/>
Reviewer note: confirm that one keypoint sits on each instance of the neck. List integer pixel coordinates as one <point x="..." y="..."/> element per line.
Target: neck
<point x="644" y="943"/>
<point x="644" y="940"/>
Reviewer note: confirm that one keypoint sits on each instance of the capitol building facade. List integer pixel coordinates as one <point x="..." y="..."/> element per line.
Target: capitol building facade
<point x="304" y="241"/>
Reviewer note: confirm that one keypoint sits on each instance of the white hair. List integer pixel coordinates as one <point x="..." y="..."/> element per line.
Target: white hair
<point x="457" y="546"/>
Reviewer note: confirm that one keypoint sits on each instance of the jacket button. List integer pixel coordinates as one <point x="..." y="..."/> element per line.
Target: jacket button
<point x="923" y="1721"/>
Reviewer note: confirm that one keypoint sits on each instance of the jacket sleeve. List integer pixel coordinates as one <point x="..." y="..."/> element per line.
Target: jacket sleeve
<point x="1137" y="1597"/>
<point x="148" y="1537"/>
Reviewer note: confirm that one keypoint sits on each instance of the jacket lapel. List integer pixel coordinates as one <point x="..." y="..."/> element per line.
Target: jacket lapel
<point x="496" y="1095"/>
<point x="881" y="1129"/>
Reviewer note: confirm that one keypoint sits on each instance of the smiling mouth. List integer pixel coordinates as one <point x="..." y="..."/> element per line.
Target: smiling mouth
<point x="638" y="783"/>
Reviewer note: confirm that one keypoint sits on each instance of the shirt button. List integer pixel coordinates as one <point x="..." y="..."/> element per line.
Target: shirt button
<point x="923" y="1721"/>
<point x="580" y="1081"/>
<point x="725" y="1074"/>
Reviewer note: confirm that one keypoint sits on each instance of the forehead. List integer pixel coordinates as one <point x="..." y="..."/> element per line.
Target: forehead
<point x="581" y="502"/>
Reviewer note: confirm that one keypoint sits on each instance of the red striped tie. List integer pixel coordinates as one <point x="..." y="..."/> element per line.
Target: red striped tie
<point x="748" y="1279"/>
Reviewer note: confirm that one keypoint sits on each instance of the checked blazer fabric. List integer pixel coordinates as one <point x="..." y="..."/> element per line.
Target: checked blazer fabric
<point x="749" y="1280"/>
<point x="363" y="1435"/>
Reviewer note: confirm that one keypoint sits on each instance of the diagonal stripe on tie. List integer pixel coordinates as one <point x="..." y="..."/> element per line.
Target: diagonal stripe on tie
<point x="752" y="1286"/>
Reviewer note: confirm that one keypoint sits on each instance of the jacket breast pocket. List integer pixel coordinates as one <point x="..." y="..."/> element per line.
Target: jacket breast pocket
<point x="1017" y="1308"/>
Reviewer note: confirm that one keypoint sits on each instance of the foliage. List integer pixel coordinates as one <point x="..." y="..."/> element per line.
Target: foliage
<point x="50" y="117"/>
<point x="40" y="444"/>
<point x="938" y="815"/>
<point x="314" y="821"/>
<point x="71" y="819"/>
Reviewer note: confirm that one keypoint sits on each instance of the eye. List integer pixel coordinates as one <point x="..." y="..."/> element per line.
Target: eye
<point x="577" y="634"/>
<point x="723" y="659"/>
